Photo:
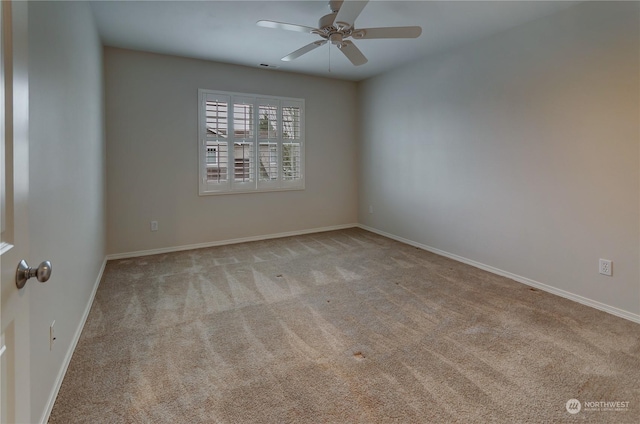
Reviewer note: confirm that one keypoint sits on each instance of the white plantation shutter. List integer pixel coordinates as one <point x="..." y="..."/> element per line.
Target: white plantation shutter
<point x="250" y="143"/>
<point x="291" y="122"/>
<point x="242" y="119"/>
<point x="217" y="117"/>
<point x="243" y="169"/>
<point x="269" y="158"/>
<point x="244" y="139"/>
<point x="214" y="142"/>
<point x="217" y="161"/>
<point x="268" y="115"/>
<point x="292" y="143"/>
<point x="269" y="152"/>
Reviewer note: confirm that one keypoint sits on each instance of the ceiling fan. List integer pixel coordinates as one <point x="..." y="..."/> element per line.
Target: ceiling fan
<point x="337" y="27"/>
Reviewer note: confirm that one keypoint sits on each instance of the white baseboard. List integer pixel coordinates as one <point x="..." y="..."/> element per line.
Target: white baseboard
<point x="563" y="293"/>
<point x="74" y="342"/>
<point x="138" y="253"/>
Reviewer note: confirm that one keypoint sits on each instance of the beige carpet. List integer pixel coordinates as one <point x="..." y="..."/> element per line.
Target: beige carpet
<point x="340" y="327"/>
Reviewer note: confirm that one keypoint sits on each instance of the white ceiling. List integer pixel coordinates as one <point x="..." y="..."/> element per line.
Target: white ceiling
<point x="225" y="31"/>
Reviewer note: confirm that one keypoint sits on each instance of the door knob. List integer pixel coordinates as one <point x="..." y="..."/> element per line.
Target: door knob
<point x="24" y="272"/>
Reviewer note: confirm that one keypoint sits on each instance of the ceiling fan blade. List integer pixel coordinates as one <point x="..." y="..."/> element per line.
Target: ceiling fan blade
<point x="303" y="50"/>
<point x="387" y="32"/>
<point x="352" y="52"/>
<point x="348" y="12"/>
<point x="288" y="27"/>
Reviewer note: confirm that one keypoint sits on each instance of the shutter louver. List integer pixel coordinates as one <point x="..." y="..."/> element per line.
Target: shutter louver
<point x="268" y="115"/>
<point x="217" y="119"/>
<point x="216" y="144"/>
<point x="291" y="144"/>
<point x="243" y="146"/>
<point x="268" y="161"/>
<point x="268" y="144"/>
<point x="243" y="169"/>
<point x="242" y="120"/>
<point x="217" y="161"/>
<point x="291" y="123"/>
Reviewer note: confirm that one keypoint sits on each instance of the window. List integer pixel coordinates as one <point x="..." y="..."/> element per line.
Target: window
<point x="250" y="143"/>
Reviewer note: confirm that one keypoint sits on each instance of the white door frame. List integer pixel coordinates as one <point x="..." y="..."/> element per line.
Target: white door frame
<point x="15" y="386"/>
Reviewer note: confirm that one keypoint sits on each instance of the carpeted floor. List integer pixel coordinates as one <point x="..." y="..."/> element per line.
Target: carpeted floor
<point x="340" y="327"/>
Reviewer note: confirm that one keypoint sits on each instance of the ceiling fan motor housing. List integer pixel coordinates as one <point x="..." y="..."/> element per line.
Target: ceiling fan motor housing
<point x="336" y="38"/>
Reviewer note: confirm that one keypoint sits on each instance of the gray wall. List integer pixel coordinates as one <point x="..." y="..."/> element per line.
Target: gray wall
<point x="67" y="211"/>
<point x="520" y="152"/>
<point x="152" y="133"/>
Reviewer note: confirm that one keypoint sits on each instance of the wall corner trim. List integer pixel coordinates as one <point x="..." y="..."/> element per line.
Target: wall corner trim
<point x="527" y="281"/>
<point x="138" y="253"/>
<point x="74" y="342"/>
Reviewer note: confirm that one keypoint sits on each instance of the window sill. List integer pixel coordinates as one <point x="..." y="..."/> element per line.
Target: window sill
<point x="266" y="190"/>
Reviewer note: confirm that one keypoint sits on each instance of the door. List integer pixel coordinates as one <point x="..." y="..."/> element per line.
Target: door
<point x="14" y="304"/>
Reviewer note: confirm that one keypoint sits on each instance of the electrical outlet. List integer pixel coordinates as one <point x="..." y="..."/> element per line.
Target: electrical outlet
<point x="52" y="335"/>
<point x="606" y="267"/>
<point x="154" y="225"/>
<point x="370" y="208"/>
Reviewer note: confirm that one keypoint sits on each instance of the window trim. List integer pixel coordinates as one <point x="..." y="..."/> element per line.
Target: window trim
<point x="207" y="187"/>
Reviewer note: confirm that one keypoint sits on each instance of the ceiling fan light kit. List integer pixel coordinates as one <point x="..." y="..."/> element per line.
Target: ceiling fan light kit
<point x="337" y="26"/>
